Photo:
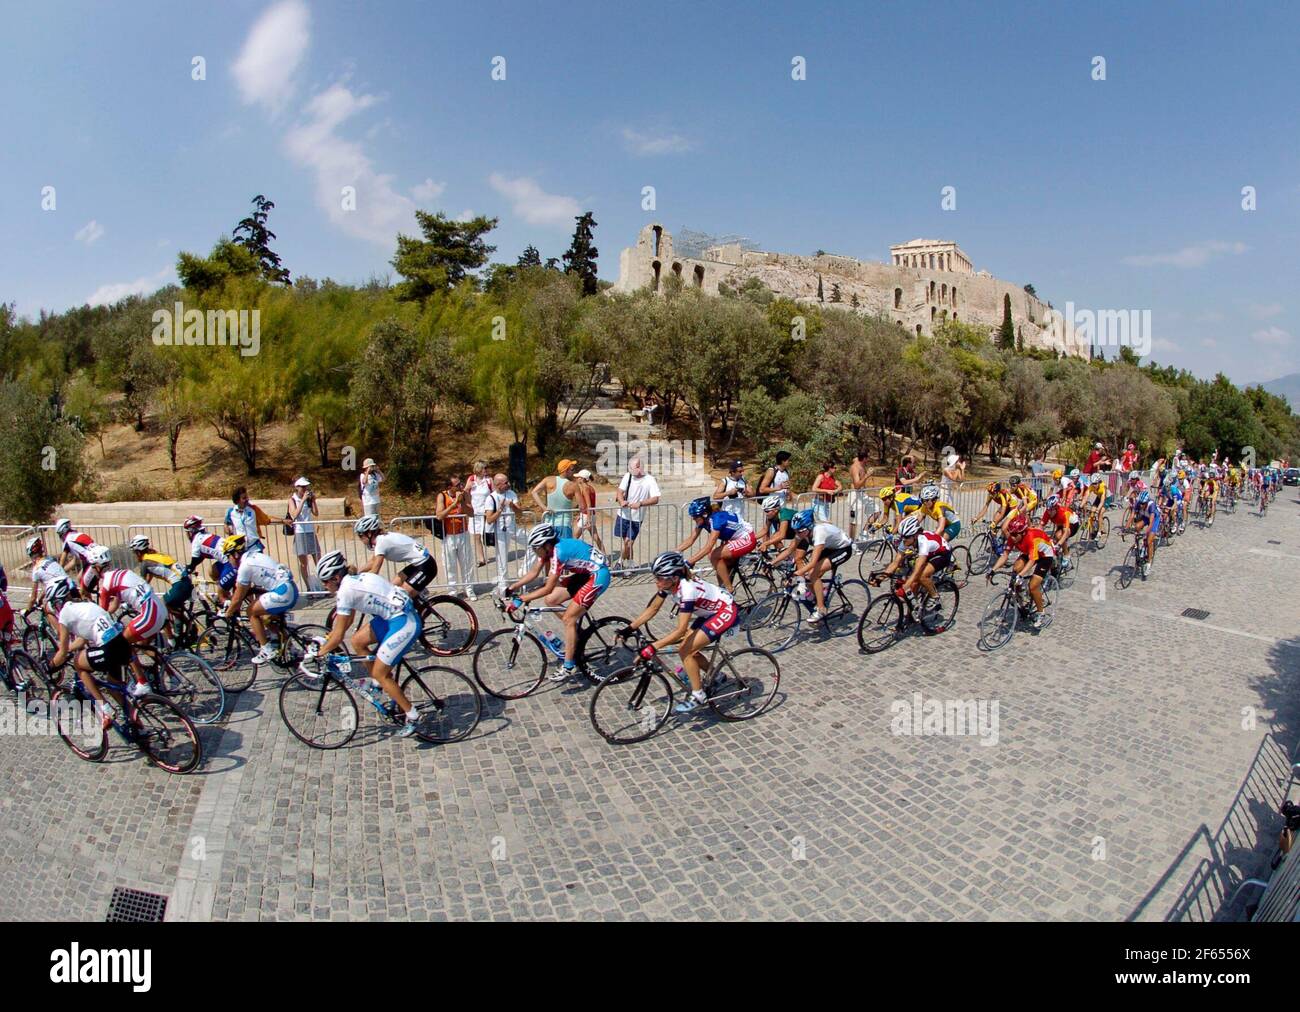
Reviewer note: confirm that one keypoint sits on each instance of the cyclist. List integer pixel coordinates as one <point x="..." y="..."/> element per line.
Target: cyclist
<point x="1172" y="500"/>
<point x="75" y="545"/>
<point x="160" y="566"/>
<point x="1026" y="498"/>
<point x="49" y="579"/>
<point x="1036" y="553"/>
<point x="384" y="640"/>
<point x="419" y="568"/>
<point x="927" y="552"/>
<point x="778" y="516"/>
<point x="123" y="588"/>
<point x="272" y="583"/>
<point x="904" y="505"/>
<point x="935" y="508"/>
<point x="730" y="537"/>
<point x="1066" y="522"/>
<point x="208" y="546"/>
<point x="1209" y="492"/>
<point x="704" y="612"/>
<point x="93" y="638"/>
<point x="818" y="547"/>
<point x="1146" y="522"/>
<point x="576" y="573"/>
<point x="1094" y="500"/>
<point x="1002" y="501"/>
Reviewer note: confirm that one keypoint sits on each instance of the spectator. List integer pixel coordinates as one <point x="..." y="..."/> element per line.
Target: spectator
<point x="368" y="483"/>
<point x="906" y="473"/>
<point x="649" y="405"/>
<point x="776" y="479"/>
<point x="825" y="488"/>
<point x="636" y="491"/>
<point x="499" y="512"/>
<point x="246" y="519"/>
<point x="453" y="510"/>
<point x="300" y="517"/>
<point x="560" y="491"/>
<point x="1098" y="460"/>
<point x="954" y="472"/>
<point x="587" y="516"/>
<point x="1129" y="461"/>
<point x="732" y="485"/>
<point x="858" y="474"/>
<point x="479" y="486"/>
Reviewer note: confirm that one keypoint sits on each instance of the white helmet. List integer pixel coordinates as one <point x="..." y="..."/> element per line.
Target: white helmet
<point x="331" y="564"/>
<point x="773" y="502"/>
<point x="62" y="526"/>
<point x="910" y="527"/>
<point x="542" y="534"/>
<point x="929" y="493"/>
<point x="99" y="556"/>
<point x="368" y="524"/>
<point x="140" y="543"/>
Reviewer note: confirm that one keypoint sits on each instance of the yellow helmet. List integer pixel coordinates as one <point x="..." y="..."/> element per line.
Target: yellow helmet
<point x="887" y="493"/>
<point x="233" y="544"/>
<point x="1182" y="473"/>
<point x="1058" y="473"/>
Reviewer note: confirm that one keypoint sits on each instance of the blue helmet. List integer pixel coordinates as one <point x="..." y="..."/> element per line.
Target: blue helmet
<point x="698" y="507"/>
<point x="1144" y="497"/>
<point x="801" y="521"/>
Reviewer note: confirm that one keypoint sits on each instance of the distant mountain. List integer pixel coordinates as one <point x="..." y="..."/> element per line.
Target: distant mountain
<point x="1288" y="387"/>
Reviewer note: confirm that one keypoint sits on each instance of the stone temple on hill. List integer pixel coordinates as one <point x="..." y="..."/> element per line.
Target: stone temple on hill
<point x="925" y="282"/>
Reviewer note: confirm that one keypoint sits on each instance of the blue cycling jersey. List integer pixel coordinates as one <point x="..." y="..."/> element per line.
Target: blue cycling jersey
<point x="574" y="556"/>
<point x="728" y="525"/>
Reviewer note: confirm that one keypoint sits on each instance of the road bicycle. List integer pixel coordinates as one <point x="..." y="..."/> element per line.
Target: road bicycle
<point x="1014" y="608"/>
<point x="1135" y="561"/>
<point x="152" y="723"/>
<point x="511" y="663"/>
<point x="773" y="623"/>
<point x="318" y="702"/>
<point x="22" y="673"/>
<point x="40" y="641"/>
<point x="1096" y="529"/>
<point x="634" y="702"/>
<point x="890" y="617"/>
<point x="985" y="548"/>
<point x="448" y="625"/>
<point x="186" y="679"/>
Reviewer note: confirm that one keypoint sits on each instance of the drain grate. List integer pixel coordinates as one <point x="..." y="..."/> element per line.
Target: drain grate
<point x="1275" y="542"/>
<point x="1195" y="613"/>
<point x="135" y="905"/>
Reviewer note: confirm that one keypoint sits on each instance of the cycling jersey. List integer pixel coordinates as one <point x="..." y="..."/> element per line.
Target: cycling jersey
<point x="830" y="536"/>
<point x="78" y="544"/>
<point x="910" y="504"/>
<point x="1027" y="496"/>
<point x="700" y="597"/>
<point x="574" y="556"/>
<point x="1003" y="499"/>
<point x="370" y="594"/>
<point x="399" y="548"/>
<point x="941" y="511"/>
<point x="162" y="566"/>
<point x="728" y="525"/>
<point x="1034" y="544"/>
<point x="928" y="543"/>
<point x="206" y="546"/>
<point x="260" y="571"/>
<point x="1061" y="516"/>
<point x="48" y="574"/>
<point x="90" y="622"/>
<point x="126" y="586"/>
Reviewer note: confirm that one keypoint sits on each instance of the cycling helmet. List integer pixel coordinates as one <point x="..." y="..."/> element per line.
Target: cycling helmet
<point x="98" y="556"/>
<point x="929" y="493"/>
<point x="59" y="595"/>
<point x="1074" y="472"/>
<point x="331" y="564"/>
<point x="887" y="493"/>
<point x="773" y="502"/>
<point x="1052" y="502"/>
<point x="1214" y="472"/>
<point x="233" y="544"/>
<point x="542" y="534"/>
<point x="1015" y="480"/>
<point x="667" y="565"/>
<point x="1058" y="472"/>
<point x="1182" y="473"/>
<point x="698" y="507"/>
<point x="1134" y="476"/>
<point x="35" y="547"/>
<point x="994" y="486"/>
<point x="140" y="543"/>
<point x="192" y="525"/>
<point x="910" y="527"/>
<point x="1144" y="497"/>
<point x="61" y="527"/>
<point x="801" y="521"/>
<point x="1018" y="525"/>
<point x="368" y="524"/>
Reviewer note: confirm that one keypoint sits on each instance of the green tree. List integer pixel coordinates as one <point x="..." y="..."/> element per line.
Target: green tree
<point x="324" y="418"/>
<point x="1007" y="332"/>
<point x="580" y="257"/>
<point x="227" y="260"/>
<point x="447" y="253"/>
<point x="530" y="257"/>
<point x="254" y="236"/>
<point x="86" y="408"/>
<point x="835" y="292"/>
<point x="40" y="456"/>
<point x="1220" y="417"/>
<point x="239" y="398"/>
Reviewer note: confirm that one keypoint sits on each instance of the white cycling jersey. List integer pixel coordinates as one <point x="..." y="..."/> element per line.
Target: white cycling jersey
<point x="48" y="573"/>
<point x="400" y="549"/>
<point x="928" y="542"/>
<point x="370" y="594"/>
<point x="89" y="622"/>
<point x="260" y="571"/>
<point x="130" y="588"/>
<point x="830" y="536"/>
<point x="700" y="597"/>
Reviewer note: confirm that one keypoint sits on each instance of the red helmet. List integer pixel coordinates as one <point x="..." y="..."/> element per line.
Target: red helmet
<point x="193" y="524"/>
<point x="1018" y="525"/>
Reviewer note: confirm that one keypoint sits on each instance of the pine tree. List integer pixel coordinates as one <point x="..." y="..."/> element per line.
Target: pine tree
<point x="835" y="292"/>
<point x="854" y="301"/>
<point x="254" y="236"/>
<point x="580" y="258"/>
<point x="820" y="296"/>
<point x="529" y="257"/>
<point x="1007" y="332"/>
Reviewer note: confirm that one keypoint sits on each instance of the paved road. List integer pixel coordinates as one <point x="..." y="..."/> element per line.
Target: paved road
<point x="1137" y="757"/>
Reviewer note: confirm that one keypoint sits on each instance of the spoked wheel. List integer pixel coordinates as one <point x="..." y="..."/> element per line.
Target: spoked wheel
<point x="1051" y="591"/>
<point x="940" y="619"/>
<point x="320" y="711"/>
<point x="875" y="554"/>
<point x="26" y="676"/>
<point x="508" y="665"/>
<point x="1103" y="533"/>
<point x="1129" y="569"/>
<point x="631" y="705"/>
<point x="1065" y="575"/>
<point x="449" y="626"/>
<point x="773" y="623"/>
<point x="881" y="624"/>
<point x="754" y="588"/>
<point x="449" y="703"/>
<point x="998" y="623"/>
<point x="38" y="641"/>
<point x="189" y="681"/>
<point x="165" y="735"/>
<point x="961" y="565"/>
<point x="845" y="604"/>
<point x="981" y="554"/>
<point x="600" y="652"/>
<point x="229" y="648"/>
<point x="743" y="684"/>
<point x="79" y="725"/>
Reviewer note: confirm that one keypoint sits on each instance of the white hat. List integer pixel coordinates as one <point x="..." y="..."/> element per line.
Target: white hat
<point x="368" y="462"/>
<point x="584" y="474"/>
<point x="301" y="481"/>
<point x="1098" y="446"/>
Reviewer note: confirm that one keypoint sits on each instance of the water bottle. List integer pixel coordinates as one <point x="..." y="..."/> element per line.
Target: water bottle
<point x="681" y="673"/>
<point x="556" y="642"/>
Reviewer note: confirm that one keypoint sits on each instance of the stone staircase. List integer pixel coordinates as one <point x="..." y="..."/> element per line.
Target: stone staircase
<point x="615" y="436"/>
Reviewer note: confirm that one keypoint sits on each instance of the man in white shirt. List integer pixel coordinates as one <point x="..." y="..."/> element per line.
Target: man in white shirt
<point x="499" y="513"/>
<point x="636" y="491"/>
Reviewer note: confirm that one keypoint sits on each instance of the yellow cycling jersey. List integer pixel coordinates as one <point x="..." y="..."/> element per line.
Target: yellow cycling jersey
<point x="939" y="510"/>
<point x="1026" y="495"/>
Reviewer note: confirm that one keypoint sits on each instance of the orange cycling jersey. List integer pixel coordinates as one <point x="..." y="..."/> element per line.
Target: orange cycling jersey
<point x="1034" y="544"/>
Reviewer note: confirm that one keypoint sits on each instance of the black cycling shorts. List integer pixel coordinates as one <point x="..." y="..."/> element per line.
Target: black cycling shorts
<point x="420" y="574"/>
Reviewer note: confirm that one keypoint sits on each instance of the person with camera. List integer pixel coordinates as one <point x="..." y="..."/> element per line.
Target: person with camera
<point x="299" y="521"/>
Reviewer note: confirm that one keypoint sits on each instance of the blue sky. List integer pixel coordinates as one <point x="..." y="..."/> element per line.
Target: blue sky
<point x="1115" y="194"/>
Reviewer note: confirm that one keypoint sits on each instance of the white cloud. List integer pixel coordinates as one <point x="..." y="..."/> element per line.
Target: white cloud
<point x="530" y="202"/>
<point x="1196" y="255"/>
<point x="272" y="52"/>
<point x="1264" y="310"/>
<point x="641" y="143"/>
<point x="90" y="232"/>
<point x="106" y="295"/>
<point x="428" y="191"/>
<point x="315" y="142"/>
<point x="1271" y="335"/>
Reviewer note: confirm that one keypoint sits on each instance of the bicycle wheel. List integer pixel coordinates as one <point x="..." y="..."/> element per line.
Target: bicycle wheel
<point x="1129" y="568"/>
<point x="881" y="624"/>
<point x="38" y="641"/>
<point x="510" y="666"/>
<point x="320" y="711"/>
<point x="773" y="623"/>
<point x="600" y="652"/>
<point x="229" y="648"/>
<point x="77" y="721"/>
<point x="845" y="604"/>
<point x="1051" y="592"/>
<point x="1065" y="576"/>
<point x="743" y="684"/>
<point x="1103" y="533"/>
<point x="998" y="623"/>
<point x="750" y="589"/>
<point x="165" y="735"/>
<point x="961" y="563"/>
<point x="631" y="705"/>
<point x="189" y="681"/>
<point x="449" y="626"/>
<point x="449" y="703"/>
<point x="940" y="619"/>
<point x="981" y="554"/>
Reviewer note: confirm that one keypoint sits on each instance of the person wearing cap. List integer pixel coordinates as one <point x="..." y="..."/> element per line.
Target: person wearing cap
<point x="586" y="496"/>
<point x="302" y="508"/>
<point x="732" y="485"/>
<point x="368" y="485"/>
<point x="1129" y="460"/>
<point x="560" y="492"/>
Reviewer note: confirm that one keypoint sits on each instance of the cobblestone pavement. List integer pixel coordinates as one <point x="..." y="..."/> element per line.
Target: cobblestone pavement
<point x="1122" y="730"/>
